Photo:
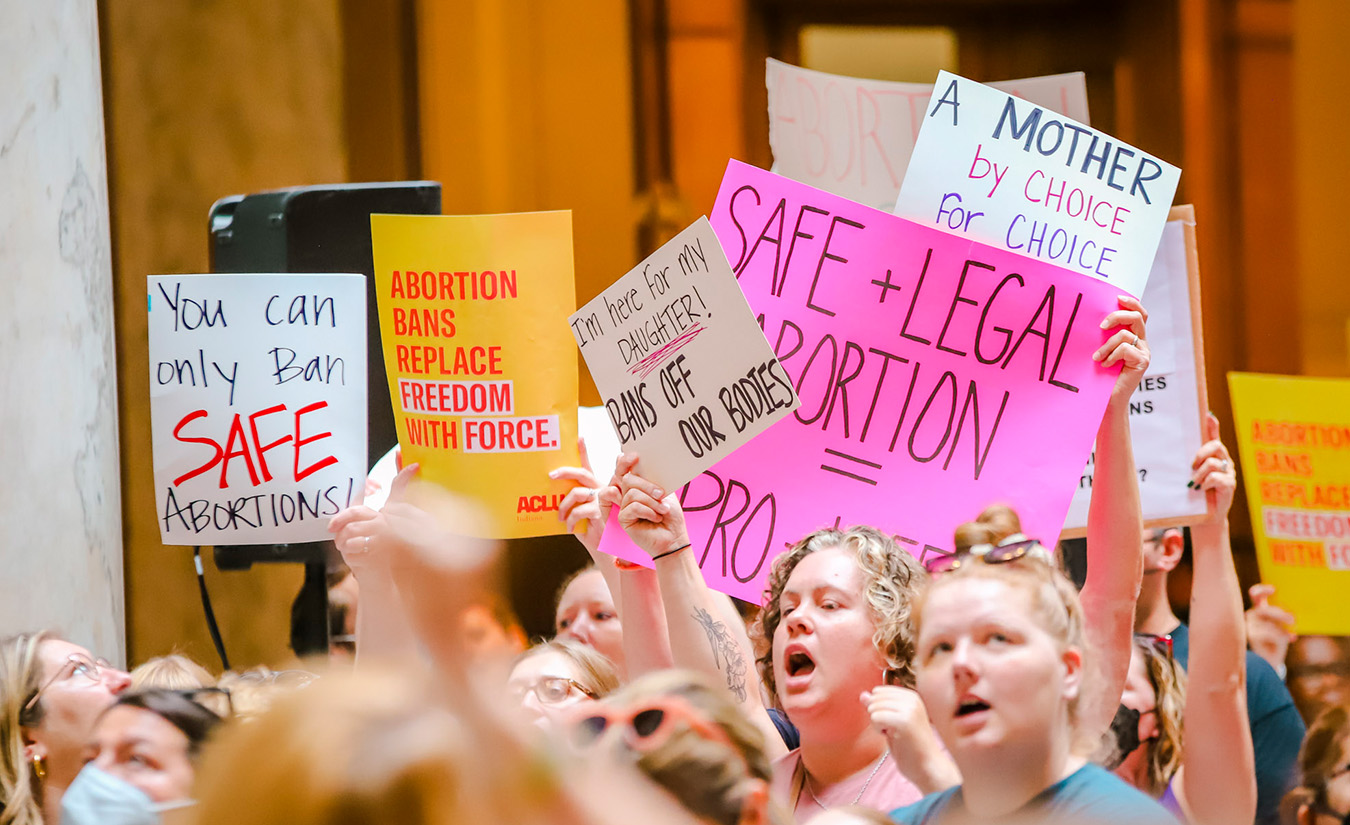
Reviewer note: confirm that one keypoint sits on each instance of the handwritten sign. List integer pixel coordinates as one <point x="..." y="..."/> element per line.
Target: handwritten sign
<point x="1168" y="410"/>
<point x="997" y="169"/>
<point x="853" y="136"/>
<point x="684" y="369"/>
<point x="257" y="404"/>
<point x="1293" y="437"/>
<point x="936" y="376"/>
<point x="482" y="373"/>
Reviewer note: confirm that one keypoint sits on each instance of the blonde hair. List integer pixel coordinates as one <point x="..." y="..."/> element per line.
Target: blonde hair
<point x="20" y="680"/>
<point x="892" y="580"/>
<point x="707" y="777"/>
<point x="255" y="690"/>
<point x="172" y="672"/>
<point x="1054" y="606"/>
<point x="358" y="748"/>
<point x="1169" y="689"/>
<point x="596" y="672"/>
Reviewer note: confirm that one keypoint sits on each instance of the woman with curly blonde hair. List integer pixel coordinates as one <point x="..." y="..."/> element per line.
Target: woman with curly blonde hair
<point x="835" y="655"/>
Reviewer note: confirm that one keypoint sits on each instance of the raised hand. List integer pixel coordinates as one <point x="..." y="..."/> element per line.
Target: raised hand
<point x="1213" y="471"/>
<point x="582" y="509"/>
<point x="651" y="516"/>
<point x="1127" y="346"/>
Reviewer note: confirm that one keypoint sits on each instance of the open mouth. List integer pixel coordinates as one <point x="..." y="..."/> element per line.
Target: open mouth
<point x="799" y="664"/>
<point x="971" y="705"/>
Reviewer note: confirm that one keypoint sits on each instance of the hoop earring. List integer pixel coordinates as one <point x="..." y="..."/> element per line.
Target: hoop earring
<point x="40" y="767"/>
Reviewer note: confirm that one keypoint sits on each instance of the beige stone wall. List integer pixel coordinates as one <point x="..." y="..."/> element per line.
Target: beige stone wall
<point x="204" y="100"/>
<point x="61" y="554"/>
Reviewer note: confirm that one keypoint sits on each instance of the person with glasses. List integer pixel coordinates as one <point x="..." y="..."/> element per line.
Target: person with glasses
<point x="51" y="693"/>
<point x="1323" y="793"/>
<point x="1242" y="730"/>
<point x="1004" y="667"/>
<point x="141" y="759"/>
<point x="552" y="678"/>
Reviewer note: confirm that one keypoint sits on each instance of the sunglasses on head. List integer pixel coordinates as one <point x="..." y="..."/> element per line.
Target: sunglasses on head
<point x="1162" y="644"/>
<point x="647" y="725"/>
<point x="1013" y="548"/>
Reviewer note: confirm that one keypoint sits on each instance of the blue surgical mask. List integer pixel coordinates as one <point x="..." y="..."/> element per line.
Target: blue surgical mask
<point x="99" y="798"/>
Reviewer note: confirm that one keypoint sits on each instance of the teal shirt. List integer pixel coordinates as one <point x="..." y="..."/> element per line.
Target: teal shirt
<point x="1090" y="795"/>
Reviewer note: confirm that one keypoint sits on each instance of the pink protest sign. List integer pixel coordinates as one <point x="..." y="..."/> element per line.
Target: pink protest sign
<point x="937" y="375"/>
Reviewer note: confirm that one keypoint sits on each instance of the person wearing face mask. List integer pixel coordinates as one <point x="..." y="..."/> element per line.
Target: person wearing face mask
<point x="1209" y="774"/>
<point x="141" y="759"/>
<point x="51" y="693"/>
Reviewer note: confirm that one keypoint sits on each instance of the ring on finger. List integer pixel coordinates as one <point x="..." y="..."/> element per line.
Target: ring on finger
<point x="1224" y="464"/>
<point x="1135" y="343"/>
<point x="365" y="544"/>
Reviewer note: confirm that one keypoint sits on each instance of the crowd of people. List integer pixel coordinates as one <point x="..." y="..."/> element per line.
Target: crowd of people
<point x="865" y="688"/>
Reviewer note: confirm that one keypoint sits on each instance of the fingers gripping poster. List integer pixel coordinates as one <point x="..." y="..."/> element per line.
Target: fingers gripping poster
<point x="257" y="405"/>
<point x="936" y="376"/>
<point x="684" y="370"/>
<point x="482" y="368"/>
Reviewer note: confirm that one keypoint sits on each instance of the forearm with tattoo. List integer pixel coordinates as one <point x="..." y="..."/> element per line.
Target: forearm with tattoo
<point x="726" y="653"/>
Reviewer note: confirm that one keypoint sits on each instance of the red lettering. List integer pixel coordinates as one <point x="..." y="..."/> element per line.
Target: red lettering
<point x="257" y="442"/>
<point x="177" y="433"/>
<point x="237" y="431"/>
<point x="300" y="442"/>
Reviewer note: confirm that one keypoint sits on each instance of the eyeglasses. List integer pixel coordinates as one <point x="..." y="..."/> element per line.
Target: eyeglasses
<point x="281" y="678"/>
<point x="210" y="698"/>
<point x="553" y="690"/>
<point x="1162" y="644"/>
<point x="1016" y="546"/>
<point x="646" y="726"/>
<point x="76" y="664"/>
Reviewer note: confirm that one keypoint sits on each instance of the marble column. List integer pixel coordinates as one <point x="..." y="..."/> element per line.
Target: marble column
<point x="60" y="499"/>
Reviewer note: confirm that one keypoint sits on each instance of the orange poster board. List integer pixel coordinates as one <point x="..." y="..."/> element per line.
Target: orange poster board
<point x="482" y="368"/>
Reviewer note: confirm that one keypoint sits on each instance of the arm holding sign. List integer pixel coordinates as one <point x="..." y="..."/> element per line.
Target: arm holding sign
<point x="1115" y="529"/>
<point x="362" y="536"/>
<point x="702" y="636"/>
<point x="635" y="590"/>
<point x="1216" y="781"/>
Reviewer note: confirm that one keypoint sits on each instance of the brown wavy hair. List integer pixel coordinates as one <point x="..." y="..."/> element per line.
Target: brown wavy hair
<point x="893" y="579"/>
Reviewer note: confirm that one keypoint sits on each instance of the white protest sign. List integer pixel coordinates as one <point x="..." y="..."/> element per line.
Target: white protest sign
<point x="853" y="136"/>
<point x="257" y="404"/>
<point x="1167" y="411"/>
<point x="685" y="371"/>
<point x="1003" y="171"/>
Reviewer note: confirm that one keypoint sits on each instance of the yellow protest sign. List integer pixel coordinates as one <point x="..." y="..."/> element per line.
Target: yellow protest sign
<point x="482" y="368"/>
<point x="1294" y="438"/>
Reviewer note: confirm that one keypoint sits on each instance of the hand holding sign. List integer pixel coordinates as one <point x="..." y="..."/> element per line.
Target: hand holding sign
<point x="650" y="516"/>
<point x="1127" y="347"/>
<point x="1215" y="473"/>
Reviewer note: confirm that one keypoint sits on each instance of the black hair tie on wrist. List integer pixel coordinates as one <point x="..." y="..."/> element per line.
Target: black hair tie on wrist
<point x="671" y="552"/>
